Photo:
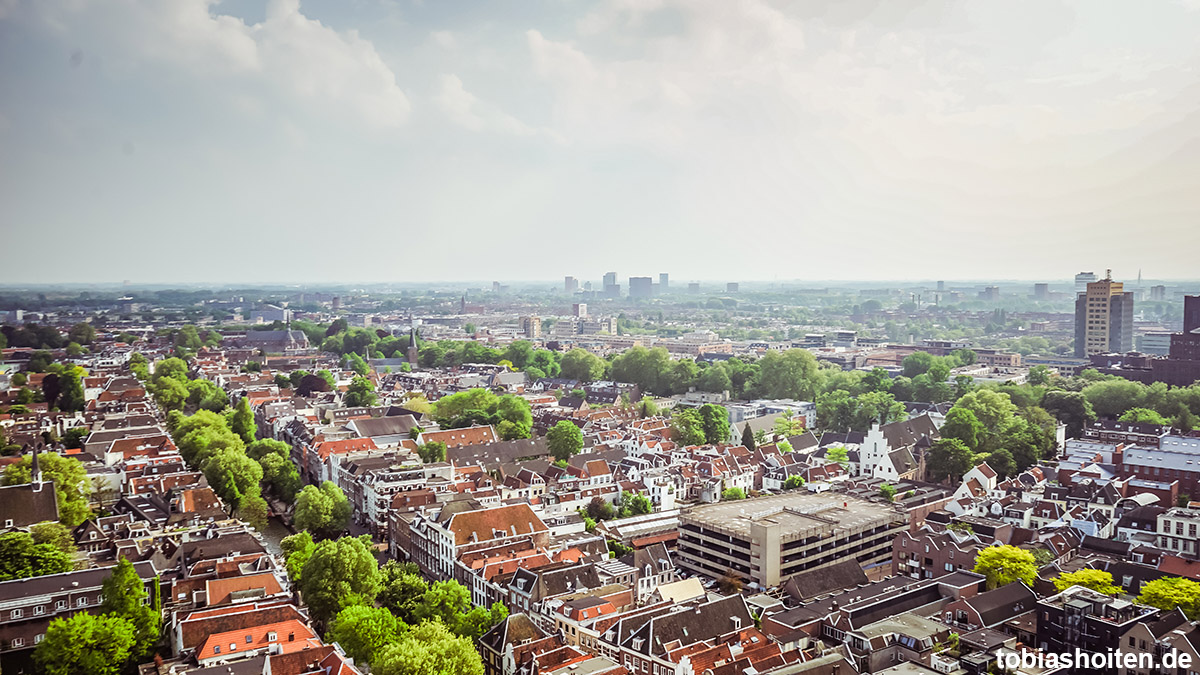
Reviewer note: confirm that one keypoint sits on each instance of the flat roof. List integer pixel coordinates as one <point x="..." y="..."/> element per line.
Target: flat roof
<point x="798" y="513"/>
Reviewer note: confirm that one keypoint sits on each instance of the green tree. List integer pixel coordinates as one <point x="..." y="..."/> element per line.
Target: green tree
<point x="432" y="451"/>
<point x="793" y="482"/>
<point x="429" y="649"/>
<point x="323" y="510"/>
<point x="262" y="447"/>
<point x="917" y="363"/>
<point x="949" y="458"/>
<point x="233" y="476"/>
<point x="714" y="379"/>
<point x="748" y="439"/>
<point x="297" y="549"/>
<point x="515" y="419"/>
<point x="82" y="333"/>
<point x="838" y="454"/>
<point x="962" y="424"/>
<point x="888" y="492"/>
<point x="174" y="368"/>
<point x="124" y="595"/>
<point x="787" y="424"/>
<point x="1097" y="580"/>
<point x="201" y="435"/>
<point x="360" y="393"/>
<point x="56" y="534"/>
<point x="1114" y="397"/>
<point x="449" y="602"/>
<point x="792" y="374"/>
<point x="582" y="365"/>
<point x="86" y="644"/>
<point x="70" y="384"/>
<point x="22" y="557"/>
<point x="281" y="476"/>
<point x="1071" y="408"/>
<point x="71" y="485"/>
<point x="1001" y="460"/>
<point x="241" y="421"/>
<point x="402" y="589"/>
<point x="362" y="631"/>
<point x="338" y="574"/>
<point x="715" y="419"/>
<point x="564" y="440"/>
<point x="1143" y="415"/>
<point x="733" y="493"/>
<point x="1002" y="565"/>
<point x="1039" y="375"/>
<point x="1169" y="593"/>
<point x="687" y="427"/>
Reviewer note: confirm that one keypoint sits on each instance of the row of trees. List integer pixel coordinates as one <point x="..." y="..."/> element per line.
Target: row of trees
<point x="173" y="389"/>
<point x="236" y="464"/>
<point x="388" y="617"/>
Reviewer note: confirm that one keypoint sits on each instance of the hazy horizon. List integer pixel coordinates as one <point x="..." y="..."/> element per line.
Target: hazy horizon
<point x="196" y="141"/>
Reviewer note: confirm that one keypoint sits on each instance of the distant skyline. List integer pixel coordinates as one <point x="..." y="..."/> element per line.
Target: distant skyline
<point x="407" y="141"/>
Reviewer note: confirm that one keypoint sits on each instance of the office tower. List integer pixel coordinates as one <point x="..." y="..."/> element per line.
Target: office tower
<point x="941" y="287"/>
<point x="1191" y="313"/>
<point x="731" y="287"/>
<point x="579" y="309"/>
<point x="611" y="288"/>
<point x="664" y="283"/>
<point x="570" y="285"/>
<point x="610" y="279"/>
<point x="531" y="326"/>
<point x="694" y="288"/>
<point x="641" y="287"/>
<point x="1082" y="280"/>
<point x="1041" y="291"/>
<point x="990" y="293"/>
<point x="1158" y="293"/>
<point x="1103" y="318"/>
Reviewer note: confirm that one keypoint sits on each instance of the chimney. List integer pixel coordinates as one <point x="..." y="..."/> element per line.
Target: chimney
<point x="36" y="469"/>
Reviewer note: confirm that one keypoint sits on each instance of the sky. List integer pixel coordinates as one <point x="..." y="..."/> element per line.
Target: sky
<point x="193" y="141"/>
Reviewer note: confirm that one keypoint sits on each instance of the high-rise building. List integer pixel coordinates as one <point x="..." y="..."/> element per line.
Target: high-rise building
<point x="990" y="293"/>
<point x="611" y="288"/>
<point x="579" y="309"/>
<point x="731" y="287"/>
<point x="664" y="282"/>
<point x="1041" y="291"/>
<point x="531" y="326"/>
<point x="1158" y="293"/>
<point x="1082" y="280"/>
<point x="1191" y="313"/>
<point x="1103" y="319"/>
<point x="570" y="285"/>
<point x="641" y="287"/>
<point x="941" y="287"/>
<point x="694" y="288"/>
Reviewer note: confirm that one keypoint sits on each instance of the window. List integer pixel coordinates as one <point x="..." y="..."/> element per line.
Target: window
<point x="39" y="610"/>
<point x="16" y="613"/>
<point x="8" y="522"/>
<point x="61" y="604"/>
<point x="217" y="649"/>
<point x="271" y="637"/>
<point x="232" y="646"/>
<point x="37" y="639"/>
<point x="81" y="602"/>
<point x="249" y="639"/>
<point x="18" y="642"/>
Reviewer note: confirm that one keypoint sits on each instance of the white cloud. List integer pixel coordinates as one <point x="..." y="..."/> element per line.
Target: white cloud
<point x="300" y="58"/>
<point x="466" y="110"/>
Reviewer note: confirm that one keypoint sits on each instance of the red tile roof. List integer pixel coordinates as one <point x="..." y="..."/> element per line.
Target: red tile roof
<point x="290" y="635"/>
<point x="327" y="448"/>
